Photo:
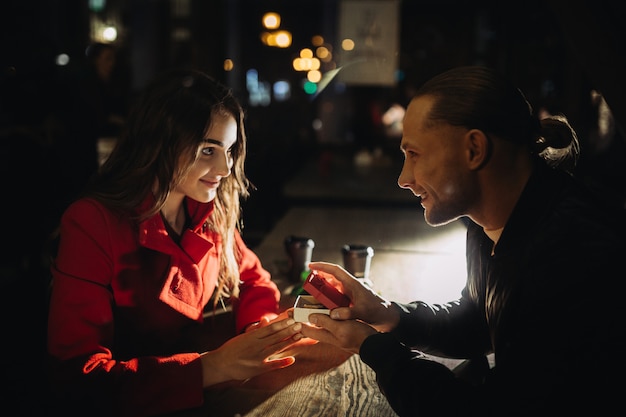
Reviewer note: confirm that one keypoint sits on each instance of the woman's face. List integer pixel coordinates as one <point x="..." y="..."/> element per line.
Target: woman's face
<point x="214" y="163"/>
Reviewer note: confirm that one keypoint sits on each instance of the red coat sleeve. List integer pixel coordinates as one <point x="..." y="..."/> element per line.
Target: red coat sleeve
<point x="81" y="330"/>
<point x="259" y="296"/>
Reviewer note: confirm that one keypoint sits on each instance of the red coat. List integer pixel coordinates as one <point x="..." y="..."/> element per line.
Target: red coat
<point x="127" y="306"/>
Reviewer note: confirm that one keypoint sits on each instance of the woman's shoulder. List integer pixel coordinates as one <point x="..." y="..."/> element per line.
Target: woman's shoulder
<point x="89" y="211"/>
<point x="85" y="207"/>
<point x="89" y="217"/>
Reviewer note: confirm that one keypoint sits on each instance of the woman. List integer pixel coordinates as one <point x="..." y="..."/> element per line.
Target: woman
<point x="151" y="246"/>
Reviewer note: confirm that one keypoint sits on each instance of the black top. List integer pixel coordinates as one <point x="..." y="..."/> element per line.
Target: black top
<point x="547" y="303"/>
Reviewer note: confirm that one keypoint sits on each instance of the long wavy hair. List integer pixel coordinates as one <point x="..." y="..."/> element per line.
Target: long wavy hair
<point x="158" y="147"/>
<point x="478" y="97"/>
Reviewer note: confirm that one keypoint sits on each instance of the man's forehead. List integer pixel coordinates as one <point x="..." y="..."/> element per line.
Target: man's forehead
<point x="416" y="116"/>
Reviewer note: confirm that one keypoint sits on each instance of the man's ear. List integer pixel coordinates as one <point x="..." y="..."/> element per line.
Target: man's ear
<point x="478" y="148"/>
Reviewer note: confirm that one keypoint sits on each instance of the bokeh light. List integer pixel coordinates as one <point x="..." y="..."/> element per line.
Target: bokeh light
<point x="347" y="44"/>
<point x="271" y="20"/>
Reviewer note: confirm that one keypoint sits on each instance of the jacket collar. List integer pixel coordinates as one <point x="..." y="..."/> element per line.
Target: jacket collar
<point x="153" y="234"/>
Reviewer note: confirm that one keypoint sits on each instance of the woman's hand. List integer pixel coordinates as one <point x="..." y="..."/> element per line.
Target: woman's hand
<point x="251" y="353"/>
<point x="366" y="304"/>
<point x="268" y="319"/>
<point x="288" y="313"/>
<point x="346" y="334"/>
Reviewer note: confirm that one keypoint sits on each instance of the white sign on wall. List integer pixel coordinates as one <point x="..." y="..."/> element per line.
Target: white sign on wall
<point x="372" y="26"/>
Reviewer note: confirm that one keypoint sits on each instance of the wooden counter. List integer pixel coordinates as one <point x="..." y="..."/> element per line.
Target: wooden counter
<point x="411" y="261"/>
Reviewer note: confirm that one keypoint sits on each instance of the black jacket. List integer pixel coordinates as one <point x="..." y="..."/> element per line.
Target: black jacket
<point x="548" y="303"/>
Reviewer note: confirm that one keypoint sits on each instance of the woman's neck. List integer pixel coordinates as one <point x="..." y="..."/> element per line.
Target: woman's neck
<point x="174" y="215"/>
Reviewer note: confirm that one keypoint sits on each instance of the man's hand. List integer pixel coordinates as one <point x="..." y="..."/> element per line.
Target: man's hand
<point x="346" y="334"/>
<point x="366" y="305"/>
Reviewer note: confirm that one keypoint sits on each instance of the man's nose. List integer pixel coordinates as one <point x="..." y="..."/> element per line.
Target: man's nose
<point x="404" y="179"/>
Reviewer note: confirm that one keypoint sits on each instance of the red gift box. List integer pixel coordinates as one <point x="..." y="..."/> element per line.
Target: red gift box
<point x="325" y="292"/>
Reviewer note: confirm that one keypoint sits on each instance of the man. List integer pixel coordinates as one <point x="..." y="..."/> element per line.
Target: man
<point x="545" y="278"/>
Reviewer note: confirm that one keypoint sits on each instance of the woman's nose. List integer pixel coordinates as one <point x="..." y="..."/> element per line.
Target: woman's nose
<point x="225" y="165"/>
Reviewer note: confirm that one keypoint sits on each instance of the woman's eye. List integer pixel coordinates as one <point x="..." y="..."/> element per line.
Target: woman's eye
<point x="208" y="151"/>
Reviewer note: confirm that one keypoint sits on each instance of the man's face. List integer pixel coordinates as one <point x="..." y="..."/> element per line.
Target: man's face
<point x="435" y="166"/>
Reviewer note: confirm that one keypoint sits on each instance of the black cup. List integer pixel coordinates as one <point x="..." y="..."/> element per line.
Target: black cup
<point x="357" y="260"/>
<point x="299" y="251"/>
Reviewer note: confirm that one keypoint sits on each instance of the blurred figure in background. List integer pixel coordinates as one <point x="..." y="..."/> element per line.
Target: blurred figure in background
<point x="103" y="92"/>
<point x="98" y="104"/>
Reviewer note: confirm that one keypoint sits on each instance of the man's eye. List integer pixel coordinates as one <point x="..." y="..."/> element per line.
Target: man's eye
<point x="408" y="154"/>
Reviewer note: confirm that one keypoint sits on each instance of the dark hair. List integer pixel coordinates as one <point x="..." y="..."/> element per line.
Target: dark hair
<point x="160" y="143"/>
<point x="478" y="97"/>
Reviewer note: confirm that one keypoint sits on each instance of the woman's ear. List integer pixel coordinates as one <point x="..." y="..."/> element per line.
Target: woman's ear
<point x="478" y="148"/>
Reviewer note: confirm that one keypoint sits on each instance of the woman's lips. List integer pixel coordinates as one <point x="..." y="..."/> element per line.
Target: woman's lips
<point x="210" y="184"/>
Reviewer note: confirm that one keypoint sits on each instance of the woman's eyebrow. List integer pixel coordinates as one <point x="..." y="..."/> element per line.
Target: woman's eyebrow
<point x="213" y="141"/>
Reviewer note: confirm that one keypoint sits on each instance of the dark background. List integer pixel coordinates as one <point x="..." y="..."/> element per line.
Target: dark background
<point x="557" y="52"/>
